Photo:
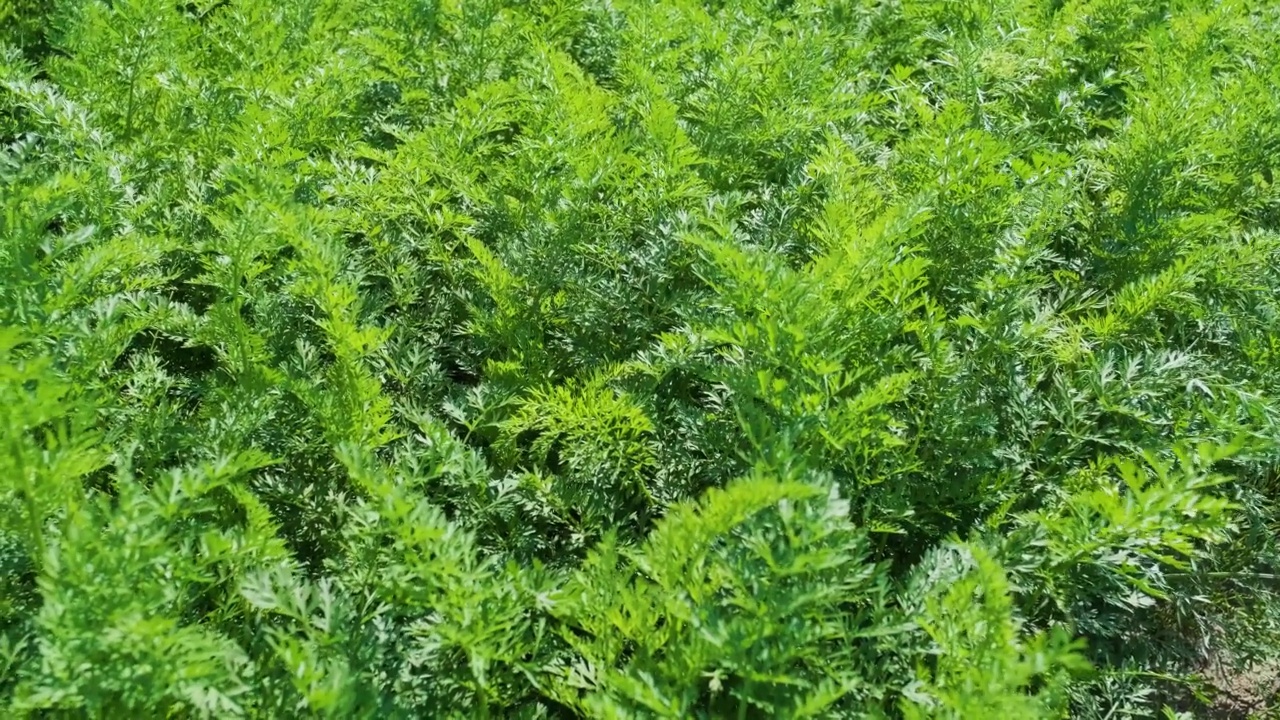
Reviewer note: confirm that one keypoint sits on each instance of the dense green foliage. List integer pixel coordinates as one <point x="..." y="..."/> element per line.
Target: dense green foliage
<point x="622" y="358"/>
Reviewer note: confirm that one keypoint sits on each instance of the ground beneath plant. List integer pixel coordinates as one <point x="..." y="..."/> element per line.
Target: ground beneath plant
<point x="1244" y="694"/>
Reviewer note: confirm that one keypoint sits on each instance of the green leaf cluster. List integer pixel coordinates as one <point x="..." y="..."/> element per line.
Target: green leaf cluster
<point x="622" y="359"/>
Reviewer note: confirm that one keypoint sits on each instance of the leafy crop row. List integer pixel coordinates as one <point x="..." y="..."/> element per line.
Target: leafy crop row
<point x="621" y="358"/>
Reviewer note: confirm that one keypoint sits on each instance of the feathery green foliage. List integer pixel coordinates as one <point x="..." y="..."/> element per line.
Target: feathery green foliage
<point x="606" y="358"/>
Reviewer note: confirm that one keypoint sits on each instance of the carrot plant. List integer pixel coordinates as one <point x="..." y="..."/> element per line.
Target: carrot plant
<point x="607" y="358"/>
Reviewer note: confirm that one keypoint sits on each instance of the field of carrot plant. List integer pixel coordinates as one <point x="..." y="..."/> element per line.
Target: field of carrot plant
<point x="639" y="358"/>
